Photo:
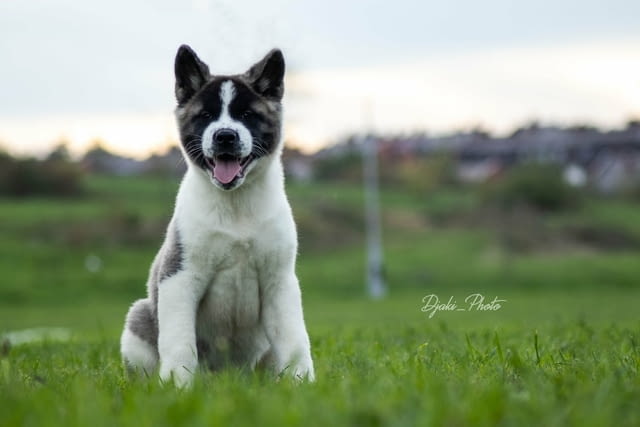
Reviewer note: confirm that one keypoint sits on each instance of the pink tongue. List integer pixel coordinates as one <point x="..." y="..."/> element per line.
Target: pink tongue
<point x="226" y="170"/>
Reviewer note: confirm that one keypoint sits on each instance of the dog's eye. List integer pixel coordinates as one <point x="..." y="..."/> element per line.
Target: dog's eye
<point x="248" y="114"/>
<point x="204" y="114"/>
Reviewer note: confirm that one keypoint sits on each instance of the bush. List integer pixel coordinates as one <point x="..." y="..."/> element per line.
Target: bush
<point x="30" y="177"/>
<point x="418" y="174"/>
<point x="347" y="167"/>
<point x="538" y="186"/>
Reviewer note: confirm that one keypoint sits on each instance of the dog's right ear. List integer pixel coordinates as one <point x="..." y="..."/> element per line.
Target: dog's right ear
<point x="191" y="74"/>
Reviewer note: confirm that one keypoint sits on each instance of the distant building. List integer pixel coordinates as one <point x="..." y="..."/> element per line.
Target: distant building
<point x="608" y="161"/>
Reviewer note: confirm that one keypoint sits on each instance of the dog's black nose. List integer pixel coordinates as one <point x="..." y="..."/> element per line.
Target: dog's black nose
<point x="225" y="137"/>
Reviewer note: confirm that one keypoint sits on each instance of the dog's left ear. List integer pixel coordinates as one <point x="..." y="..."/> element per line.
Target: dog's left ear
<point x="267" y="76"/>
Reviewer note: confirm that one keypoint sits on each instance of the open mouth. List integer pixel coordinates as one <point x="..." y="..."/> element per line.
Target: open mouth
<point x="227" y="167"/>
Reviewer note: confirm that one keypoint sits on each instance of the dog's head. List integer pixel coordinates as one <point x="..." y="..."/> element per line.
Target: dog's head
<point x="229" y="125"/>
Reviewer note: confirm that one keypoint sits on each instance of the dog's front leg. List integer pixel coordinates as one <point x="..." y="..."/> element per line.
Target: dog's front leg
<point x="283" y="320"/>
<point x="178" y="298"/>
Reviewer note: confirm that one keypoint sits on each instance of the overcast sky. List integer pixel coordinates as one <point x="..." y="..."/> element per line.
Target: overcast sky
<point x="81" y="70"/>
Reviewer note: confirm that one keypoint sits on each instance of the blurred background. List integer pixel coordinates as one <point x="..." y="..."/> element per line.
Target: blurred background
<point x="506" y="135"/>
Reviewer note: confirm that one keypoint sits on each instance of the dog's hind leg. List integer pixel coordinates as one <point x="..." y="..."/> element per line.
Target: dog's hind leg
<point x="139" y="341"/>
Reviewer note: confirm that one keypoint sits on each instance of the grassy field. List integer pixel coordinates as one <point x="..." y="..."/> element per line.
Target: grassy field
<point x="563" y="348"/>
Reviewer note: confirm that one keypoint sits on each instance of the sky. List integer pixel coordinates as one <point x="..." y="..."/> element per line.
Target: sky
<point x="81" y="71"/>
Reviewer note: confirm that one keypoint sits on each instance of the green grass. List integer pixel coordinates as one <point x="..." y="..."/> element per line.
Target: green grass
<point x="613" y="213"/>
<point x="564" y="348"/>
<point x="378" y="363"/>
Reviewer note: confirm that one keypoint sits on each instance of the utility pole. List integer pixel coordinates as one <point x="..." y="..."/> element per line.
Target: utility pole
<point x="376" y="287"/>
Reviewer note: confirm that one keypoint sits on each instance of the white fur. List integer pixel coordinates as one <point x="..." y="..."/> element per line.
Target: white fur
<point x="138" y="352"/>
<point x="238" y="277"/>
<point x="227" y="92"/>
<point x="178" y="298"/>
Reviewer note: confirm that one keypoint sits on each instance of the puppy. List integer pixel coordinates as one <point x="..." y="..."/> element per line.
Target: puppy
<point x="223" y="289"/>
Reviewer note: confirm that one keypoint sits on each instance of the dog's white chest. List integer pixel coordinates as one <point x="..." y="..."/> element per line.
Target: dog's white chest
<point x="232" y="300"/>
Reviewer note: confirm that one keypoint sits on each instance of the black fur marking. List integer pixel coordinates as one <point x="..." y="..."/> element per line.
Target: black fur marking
<point x="198" y="114"/>
<point x="264" y="128"/>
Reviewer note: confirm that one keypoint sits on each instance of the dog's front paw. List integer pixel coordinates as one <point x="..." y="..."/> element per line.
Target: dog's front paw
<point x="301" y="370"/>
<point x="181" y="376"/>
<point x="181" y="373"/>
<point x="304" y="374"/>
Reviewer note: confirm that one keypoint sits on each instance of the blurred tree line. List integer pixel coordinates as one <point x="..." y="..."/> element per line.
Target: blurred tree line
<point x="540" y="186"/>
<point x="55" y="175"/>
<point x="59" y="175"/>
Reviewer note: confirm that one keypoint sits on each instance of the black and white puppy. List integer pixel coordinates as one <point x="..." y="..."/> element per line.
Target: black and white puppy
<point x="223" y="288"/>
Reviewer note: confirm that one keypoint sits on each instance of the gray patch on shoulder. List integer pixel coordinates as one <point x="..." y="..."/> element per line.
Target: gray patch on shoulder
<point x="141" y="321"/>
<point x="172" y="262"/>
<point x="168" y="262"/>
<point x="142" y="318"/>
